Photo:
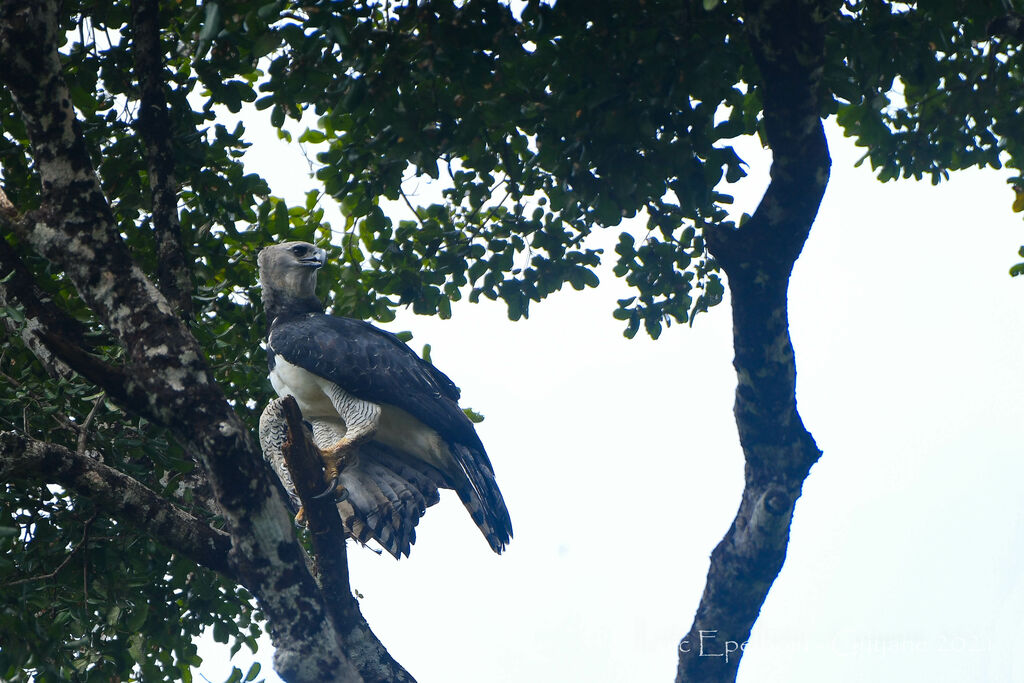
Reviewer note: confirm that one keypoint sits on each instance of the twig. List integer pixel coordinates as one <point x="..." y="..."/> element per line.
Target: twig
<point x="490" y="193"/>
<point x="416" y="213"/>
<point x="64" y="562"/>
<point x="83" y="431"/>
<point x="490" y="214"/>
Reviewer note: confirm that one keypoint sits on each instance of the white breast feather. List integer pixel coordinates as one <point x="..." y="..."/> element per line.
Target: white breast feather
<point x="397" y="429"/>
<point x="291" y="380"/>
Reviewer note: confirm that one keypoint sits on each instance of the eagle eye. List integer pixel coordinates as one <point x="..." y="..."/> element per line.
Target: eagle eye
<point x="298" y="250"/>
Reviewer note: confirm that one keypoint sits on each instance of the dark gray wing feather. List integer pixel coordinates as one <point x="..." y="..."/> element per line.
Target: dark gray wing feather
<point x="376" y="366"/>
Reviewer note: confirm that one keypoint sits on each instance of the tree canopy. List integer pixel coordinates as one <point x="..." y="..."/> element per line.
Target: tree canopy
<point x="127" y="409"/>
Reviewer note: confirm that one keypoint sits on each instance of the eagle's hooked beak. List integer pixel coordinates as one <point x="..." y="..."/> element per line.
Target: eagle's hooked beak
<point x="316" y="259"/>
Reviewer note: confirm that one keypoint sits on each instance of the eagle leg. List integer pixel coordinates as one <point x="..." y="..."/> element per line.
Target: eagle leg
<point x="361" y="420"/>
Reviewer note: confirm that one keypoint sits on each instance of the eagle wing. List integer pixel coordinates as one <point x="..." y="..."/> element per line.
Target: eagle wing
<point x="375" y="365"/>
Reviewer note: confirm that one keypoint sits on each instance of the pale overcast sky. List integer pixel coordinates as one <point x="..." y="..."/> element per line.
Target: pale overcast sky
<point x="907" y="548"/>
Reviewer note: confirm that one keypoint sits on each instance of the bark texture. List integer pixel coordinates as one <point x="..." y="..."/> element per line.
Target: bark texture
<point x="164" y="377"/>
<point x="787" y="39"/>
<point x="327" y="536"/>
<point x="42" y="317"/>
<point x="154" y="123"/>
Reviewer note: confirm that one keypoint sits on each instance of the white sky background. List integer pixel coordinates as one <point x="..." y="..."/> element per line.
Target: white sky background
<point x="622" y="470"/>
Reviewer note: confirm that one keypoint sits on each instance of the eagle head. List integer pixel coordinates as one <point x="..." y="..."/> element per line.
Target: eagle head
<point x="288" y="270"/>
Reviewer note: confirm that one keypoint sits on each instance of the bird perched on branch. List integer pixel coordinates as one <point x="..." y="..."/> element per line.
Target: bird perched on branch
<point x="387" y="423"/>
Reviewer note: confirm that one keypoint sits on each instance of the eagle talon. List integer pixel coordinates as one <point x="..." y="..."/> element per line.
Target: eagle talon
<point x="334" y="486"/>
<point x="335" y="460"/>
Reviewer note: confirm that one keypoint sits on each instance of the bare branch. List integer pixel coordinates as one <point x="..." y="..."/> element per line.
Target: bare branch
<point x="412" y="208"/>
<point x="328" y="534"/>
<point x="83" y="430"/>
<point x="119" y="495"/>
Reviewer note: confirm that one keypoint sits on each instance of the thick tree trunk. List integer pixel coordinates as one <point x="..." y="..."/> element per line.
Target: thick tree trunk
<point x="164" y="378"/>
<point x="787" y="40"/>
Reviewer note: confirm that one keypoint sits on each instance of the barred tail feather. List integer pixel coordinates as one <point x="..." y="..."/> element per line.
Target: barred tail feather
<point x="374" y="510"/>
<point x="389" y="492"/>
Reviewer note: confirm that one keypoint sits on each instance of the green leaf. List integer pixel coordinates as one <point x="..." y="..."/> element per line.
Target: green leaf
<point x="15" y="314"/>
<point x="277" y="116"/>
<point x="312" y="135"/>
<point x="265" y="44"/>
<point x="376" y="220"/>
<point x="137" y="617"/>
<point x="212" y="21"/>
<point x="281" y="222"/>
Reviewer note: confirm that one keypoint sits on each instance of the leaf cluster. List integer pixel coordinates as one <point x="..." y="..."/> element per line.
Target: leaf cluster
<point x="543" y="125"/>
<point x="539" y="124"/>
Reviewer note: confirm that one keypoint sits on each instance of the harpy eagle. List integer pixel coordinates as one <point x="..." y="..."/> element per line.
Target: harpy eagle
<point x="387" y="422"/>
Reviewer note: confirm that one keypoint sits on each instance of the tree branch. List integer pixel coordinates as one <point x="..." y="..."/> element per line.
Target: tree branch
<point x="328" y="538"/>
<point x="18" y="288"/>
<point x="119" y="495"/>
<point x="326" y="531"/>
<point x="169" y="381"/>
<point x="173" y="273"/>
<point x="787" y="40"/>
<point x="57" y="340"/>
